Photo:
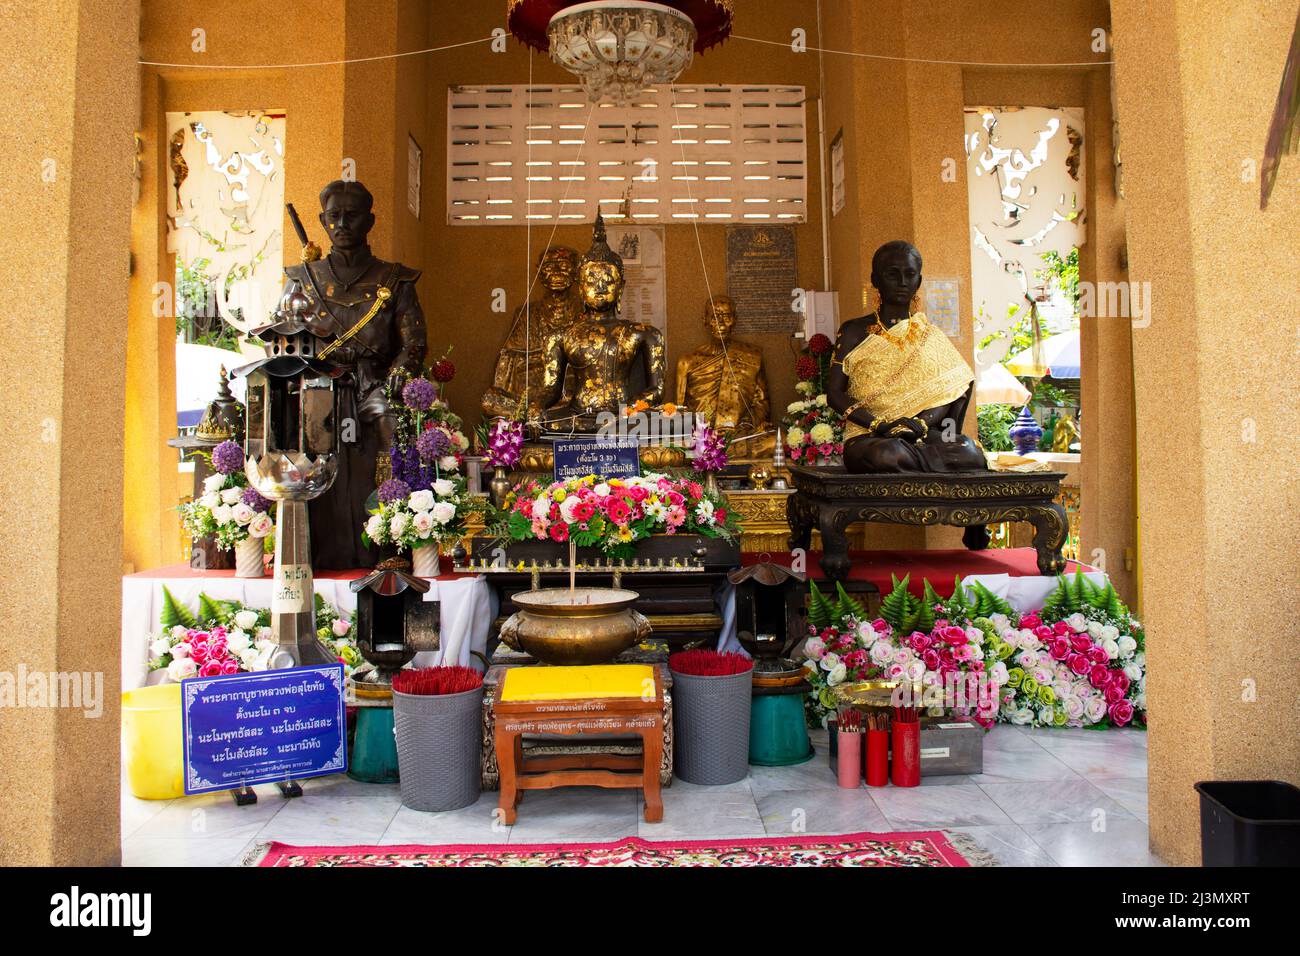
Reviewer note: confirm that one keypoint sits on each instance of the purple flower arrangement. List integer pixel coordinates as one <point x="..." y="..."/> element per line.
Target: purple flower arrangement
<point x="407" y="467"/>
<point x="432" y="444"/>
<point x="394" y="489"/>
<point x="505" y="443"/>
<point x="710" y="450"/>
<point x="254" y="500"/>
<point x="418" y="394"/>
<point x="228" y="458"/>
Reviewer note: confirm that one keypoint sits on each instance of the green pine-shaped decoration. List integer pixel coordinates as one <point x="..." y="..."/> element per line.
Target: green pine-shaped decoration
<point x="1055" y="604"/>
<point x="210" y="611"/>
<point x="931" y="596"/>
<point x="848" y="605"/>
<point x="820" y="611"/>
<point x="1078" y="593"/>
<point x="924" y="615"/>
<point x="901" y="609"/>
<point x="959" y="605"/>
<point x="174" y="612"/>
<point x="987" y="603"/>
<point x="1113" y="605"/>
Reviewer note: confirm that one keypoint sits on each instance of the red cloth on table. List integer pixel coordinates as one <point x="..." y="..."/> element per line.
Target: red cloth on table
<point x="939" y="566"/>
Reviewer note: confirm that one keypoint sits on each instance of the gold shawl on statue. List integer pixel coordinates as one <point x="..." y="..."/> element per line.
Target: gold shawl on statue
<point x="903" y="371"/>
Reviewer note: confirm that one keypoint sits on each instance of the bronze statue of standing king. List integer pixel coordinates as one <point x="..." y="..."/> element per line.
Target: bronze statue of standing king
<point x="368" y="313"/>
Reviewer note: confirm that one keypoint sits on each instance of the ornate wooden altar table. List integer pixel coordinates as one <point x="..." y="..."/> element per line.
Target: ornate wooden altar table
<point x="830" y="499"/>
<point x="636" y="709"/>
<point x="504" y="660"/>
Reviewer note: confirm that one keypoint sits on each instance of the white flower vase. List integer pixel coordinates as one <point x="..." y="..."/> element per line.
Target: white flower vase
<point x="248" y="558"/>
<point x="424" y="561"/>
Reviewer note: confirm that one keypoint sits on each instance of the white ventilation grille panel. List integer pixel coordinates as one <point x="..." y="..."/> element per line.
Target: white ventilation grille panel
<point x="542" y="154"/>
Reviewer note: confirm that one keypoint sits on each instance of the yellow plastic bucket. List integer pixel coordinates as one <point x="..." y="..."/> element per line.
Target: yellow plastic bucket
<point x="151" y="733"/>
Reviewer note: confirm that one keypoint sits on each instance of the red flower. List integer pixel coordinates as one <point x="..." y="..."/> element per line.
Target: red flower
<point x="819" y="344"/>
<point x="1121" y="712"/>
<point x="559" y="531"/>
<point x="720" y="514"/>
<point x="806" y="367"/>
<point x="443" y="371"/>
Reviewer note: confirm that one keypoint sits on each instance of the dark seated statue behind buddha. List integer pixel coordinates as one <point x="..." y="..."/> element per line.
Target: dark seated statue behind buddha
<point x="901" y="385"/>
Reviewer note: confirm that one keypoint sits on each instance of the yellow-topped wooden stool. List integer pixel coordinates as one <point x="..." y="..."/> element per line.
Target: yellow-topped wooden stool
<point x="571" y="701"/>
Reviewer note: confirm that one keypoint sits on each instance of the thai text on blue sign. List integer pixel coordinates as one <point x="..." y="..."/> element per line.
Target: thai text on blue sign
<point x="603" y="457"/>
<point x="243" y="729"/>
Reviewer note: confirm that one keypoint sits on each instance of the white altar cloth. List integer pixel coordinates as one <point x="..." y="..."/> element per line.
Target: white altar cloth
<point x="468" y="609"/>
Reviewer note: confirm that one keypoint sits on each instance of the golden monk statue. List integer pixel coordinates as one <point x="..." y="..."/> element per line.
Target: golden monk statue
<point x="900" y="383"/>
<point x="725" y="383"/>
<point x="600" y="363"/>
<point x="517" y="379"/>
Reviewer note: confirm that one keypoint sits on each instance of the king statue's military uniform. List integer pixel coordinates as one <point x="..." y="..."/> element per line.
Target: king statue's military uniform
<point x="368" y="312"/>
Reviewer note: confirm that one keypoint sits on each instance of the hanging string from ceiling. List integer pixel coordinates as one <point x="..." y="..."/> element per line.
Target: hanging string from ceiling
<point x="302" y="66"/>
<point x="488" y="39"/>
<point x="912" y="59"/>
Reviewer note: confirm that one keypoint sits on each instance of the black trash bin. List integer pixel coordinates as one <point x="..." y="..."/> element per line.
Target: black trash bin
<point x="1249" y="823"/>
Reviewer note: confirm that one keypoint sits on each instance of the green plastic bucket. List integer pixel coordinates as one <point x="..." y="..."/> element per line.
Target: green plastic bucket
<point x="374" y="751"/>
<point x="778" y="736"/>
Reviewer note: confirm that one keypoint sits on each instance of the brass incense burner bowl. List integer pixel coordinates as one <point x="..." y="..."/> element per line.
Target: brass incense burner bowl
<point x="578" y="626"/>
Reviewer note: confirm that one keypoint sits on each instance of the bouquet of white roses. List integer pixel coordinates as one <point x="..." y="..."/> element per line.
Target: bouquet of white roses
<point x="409" y="519"/>
<point x="228" y="511"/>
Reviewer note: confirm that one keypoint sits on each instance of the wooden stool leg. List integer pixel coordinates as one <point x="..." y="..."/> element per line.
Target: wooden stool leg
<point x="652" y="754"/>
<point x="507" y="768"/>
<point x="519" y="766"/>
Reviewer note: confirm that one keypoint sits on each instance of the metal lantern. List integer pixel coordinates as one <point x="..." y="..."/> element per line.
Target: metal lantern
<point x="769" y="610"/>
<point x="291" y="440"/>
<point x="292" y="432"/>
<point x="393" y="624"/>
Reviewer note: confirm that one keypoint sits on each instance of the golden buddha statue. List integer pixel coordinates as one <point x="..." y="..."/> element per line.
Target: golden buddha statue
<point x="600" y="363"/>
<point x="725" y="383"/>
<point x="517" y="377"/>
<point x="900" y="383"/>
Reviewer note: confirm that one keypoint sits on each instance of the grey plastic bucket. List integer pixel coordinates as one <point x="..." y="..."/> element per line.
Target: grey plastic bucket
<point x="711" y="727"/>
<point x="439" y="748"/>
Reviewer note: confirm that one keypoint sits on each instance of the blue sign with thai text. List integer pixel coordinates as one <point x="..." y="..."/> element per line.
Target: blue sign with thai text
<point x="604" y="457"/>
<point x="243" y="729"/>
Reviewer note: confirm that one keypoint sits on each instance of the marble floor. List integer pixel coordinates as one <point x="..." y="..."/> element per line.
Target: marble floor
<point x="1046" y="798"/>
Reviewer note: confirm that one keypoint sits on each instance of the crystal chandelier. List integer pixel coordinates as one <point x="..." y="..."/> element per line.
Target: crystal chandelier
<point x="619" y="47"/>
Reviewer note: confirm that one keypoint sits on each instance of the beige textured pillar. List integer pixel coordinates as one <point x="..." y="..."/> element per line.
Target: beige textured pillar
<point x="70" y="85"/>
<point x="1108" y="536"/>
<point x="1216" y="395"/>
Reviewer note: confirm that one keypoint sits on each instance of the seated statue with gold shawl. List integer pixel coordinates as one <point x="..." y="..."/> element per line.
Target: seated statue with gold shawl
<point x="902" y="386"/>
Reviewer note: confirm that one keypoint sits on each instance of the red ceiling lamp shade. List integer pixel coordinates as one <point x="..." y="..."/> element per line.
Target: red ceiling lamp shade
<point x="619" y="47"/>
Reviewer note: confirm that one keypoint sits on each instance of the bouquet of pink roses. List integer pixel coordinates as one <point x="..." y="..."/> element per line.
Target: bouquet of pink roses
<point x="1071" y="673"/>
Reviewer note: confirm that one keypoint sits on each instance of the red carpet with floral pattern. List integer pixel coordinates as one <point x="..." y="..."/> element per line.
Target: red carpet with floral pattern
<point x="923" y="848"/>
